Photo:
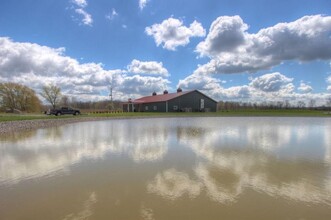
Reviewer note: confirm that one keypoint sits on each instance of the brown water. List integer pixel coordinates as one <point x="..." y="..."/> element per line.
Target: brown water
<point x="188" y="168"/>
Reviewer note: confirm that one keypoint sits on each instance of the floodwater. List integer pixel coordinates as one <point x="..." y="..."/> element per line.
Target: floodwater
<point x="171" y="168"/>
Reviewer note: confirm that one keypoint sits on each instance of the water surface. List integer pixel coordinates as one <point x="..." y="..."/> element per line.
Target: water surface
<point x="180" y="168"/>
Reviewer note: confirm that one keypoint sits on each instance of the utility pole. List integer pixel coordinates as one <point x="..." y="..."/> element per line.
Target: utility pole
<point x="111" y="96"/>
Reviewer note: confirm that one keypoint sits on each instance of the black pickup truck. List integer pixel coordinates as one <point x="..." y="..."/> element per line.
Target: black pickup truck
<point x="64" y="111"/>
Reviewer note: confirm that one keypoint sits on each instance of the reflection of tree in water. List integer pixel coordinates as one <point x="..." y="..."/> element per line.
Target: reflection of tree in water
<point x="190" y="132"/>
<point x="14" y="137"/>
<point x="54" y="132"/>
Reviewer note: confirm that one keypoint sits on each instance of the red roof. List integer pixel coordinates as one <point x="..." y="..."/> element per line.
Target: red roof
<point x="159" y="98"/>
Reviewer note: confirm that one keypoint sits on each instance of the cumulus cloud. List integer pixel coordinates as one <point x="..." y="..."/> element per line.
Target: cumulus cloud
<point x="271" y="82"/>
<point x="142" y="4"/>
<point x="304" y="88"/>
<point x="150" y="67"/>
<point x="35" y="66"/>
<point x="232" y="49"/>
<point x="171" y="33"/>
<point x="329" y="79"/>
<point x="225" y="35"/>
<point x="142" y="85"/>
<point x="212" y="87"/>
<point x="270" y="87"/>
<point x="200" y="82"/>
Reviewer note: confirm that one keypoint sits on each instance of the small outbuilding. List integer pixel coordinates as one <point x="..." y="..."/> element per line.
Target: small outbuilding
<point x="188" y="101"/>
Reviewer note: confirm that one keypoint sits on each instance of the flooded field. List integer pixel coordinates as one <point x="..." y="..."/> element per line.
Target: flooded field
<point x="178" y="168"/>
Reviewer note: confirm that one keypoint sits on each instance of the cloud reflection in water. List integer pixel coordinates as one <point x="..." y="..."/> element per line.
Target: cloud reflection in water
<point x="282" y="158"/>
<point x="54" y="150"/>
<point x="229" y="168"/>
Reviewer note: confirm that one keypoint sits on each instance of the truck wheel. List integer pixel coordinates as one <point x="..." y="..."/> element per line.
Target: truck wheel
<point x="58" y="114"/>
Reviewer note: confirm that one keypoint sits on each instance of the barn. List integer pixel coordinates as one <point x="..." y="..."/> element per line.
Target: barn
<point x="188" y="101"/>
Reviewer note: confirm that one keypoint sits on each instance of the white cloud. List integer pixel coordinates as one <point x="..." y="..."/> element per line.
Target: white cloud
<point x="271" y="87"/>
<point x="142" y="85"/>
<point x="87" y="18"/>
<point x="35" y="66"/>
<point x="142" y="4"/>
<point x="151" y="67"/>
<point x="171" y="33"/>
<point x="232" y="49"/>
<point x="329" y="79"/>
<point x="79" y="7"/>
<point x="80" y="3"/>
<point x="225" y="35"/>
<point x="304" y="88"/>
<point x="200" y="82"/>
<point x="111" y="16"/>
<point x="272" y="82"/>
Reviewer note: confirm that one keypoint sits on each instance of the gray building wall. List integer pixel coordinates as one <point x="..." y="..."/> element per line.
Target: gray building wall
<point x="189" y="102"/>
<point x="154" y="107"/>
<point x="192" y="102"/>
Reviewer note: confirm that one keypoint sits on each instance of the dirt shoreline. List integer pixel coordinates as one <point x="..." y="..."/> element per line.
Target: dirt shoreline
<point x="24" y="125"/>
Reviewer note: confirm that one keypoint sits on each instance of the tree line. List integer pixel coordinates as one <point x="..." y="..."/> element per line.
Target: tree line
<point x="311" y="104"/>
<point x="15" y="97"/>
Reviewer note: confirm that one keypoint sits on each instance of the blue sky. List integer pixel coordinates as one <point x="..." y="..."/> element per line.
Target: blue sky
<point x="250" y="50"/>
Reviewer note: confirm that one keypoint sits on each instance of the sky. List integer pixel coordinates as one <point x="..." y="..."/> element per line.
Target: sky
<point x="231" y="50"/>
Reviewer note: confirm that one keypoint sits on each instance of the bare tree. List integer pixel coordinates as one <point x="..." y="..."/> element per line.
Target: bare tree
<point x="52" y="94"/>
<point x="287" y="104"/>
<point x="14" y="96"/>
<point x="312" y="103"/>
<point x="301" y="104"/>
<point x="65" y="101"/>
<point x="280" y="104"/>
<point x="328" y="101"/>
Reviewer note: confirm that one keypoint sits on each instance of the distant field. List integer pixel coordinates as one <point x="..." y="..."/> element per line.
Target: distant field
<point x="277" y="112"/>
<point x="244" y="113"/>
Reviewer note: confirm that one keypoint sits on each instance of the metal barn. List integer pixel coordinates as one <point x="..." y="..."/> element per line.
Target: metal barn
<point x="188" y="101"/>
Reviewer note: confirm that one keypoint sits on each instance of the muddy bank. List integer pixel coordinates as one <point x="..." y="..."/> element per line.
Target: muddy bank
<point x="16" y="126"/>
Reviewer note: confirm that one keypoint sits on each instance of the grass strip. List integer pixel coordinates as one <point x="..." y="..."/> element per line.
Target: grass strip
<point x="232" y="113"/>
